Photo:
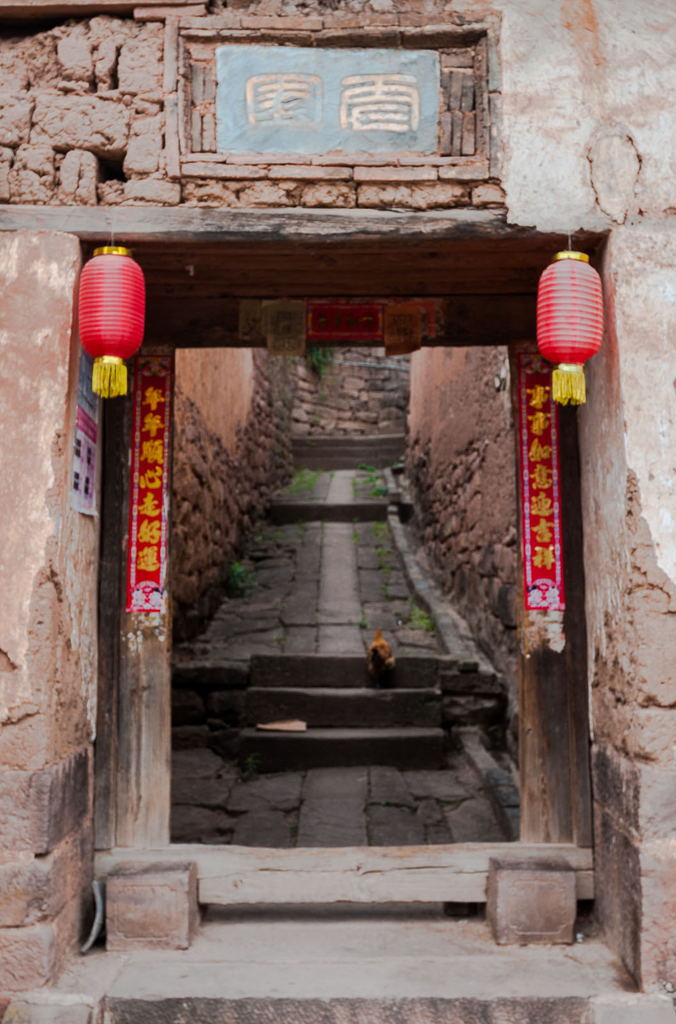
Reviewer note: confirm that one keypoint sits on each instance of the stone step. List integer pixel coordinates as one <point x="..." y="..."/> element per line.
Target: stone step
<point x="283" y="513"/>
<point x="404" y="748"/>
<point x="327" y="671"/>
<point x="344" y="708"/>
<point x="378" y="450"/>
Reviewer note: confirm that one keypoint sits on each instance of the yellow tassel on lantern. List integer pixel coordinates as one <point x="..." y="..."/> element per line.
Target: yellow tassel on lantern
<point x="568" y="384"/>
<point x="109" y="378"/>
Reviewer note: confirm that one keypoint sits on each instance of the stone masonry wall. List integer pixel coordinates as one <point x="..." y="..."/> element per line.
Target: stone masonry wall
<point x="460" y="463"/>
<point x="48" y="619"/>
<point x="219" y="491"/>
<point x="115" y="111"/>
<point x="350" y="398"/>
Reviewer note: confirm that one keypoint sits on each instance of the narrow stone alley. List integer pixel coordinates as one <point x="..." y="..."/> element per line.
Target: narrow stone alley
<point x="364" y="764"/>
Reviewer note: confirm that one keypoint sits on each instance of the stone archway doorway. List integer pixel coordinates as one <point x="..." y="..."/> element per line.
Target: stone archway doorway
<point x="485" y="278"/>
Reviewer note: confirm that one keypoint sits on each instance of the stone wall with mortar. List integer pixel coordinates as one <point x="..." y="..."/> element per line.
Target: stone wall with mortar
<point x="116" y="111"/>
<point x="626" y="436"/>
<point x="350" y="398"/>
<point x="223" y="478"/>
<point x="460" y="464"/>
<point x="582" y="137"/>
<point x="48" y="619"/>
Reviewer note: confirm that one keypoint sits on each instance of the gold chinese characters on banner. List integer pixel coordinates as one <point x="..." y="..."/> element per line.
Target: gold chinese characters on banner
<point x="540" y="485"/>
<point x="149" y="491"/>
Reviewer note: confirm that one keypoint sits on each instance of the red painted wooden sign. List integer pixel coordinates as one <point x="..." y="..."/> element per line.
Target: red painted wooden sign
<point x="540" y="485"/>
<point x="149" y="491"/>
<point x="344" y="321"/>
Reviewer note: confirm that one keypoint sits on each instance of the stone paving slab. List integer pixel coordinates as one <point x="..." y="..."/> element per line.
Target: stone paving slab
<point x="339" y="597"/>
<point x="337" y="822"/>
<point x="394" y="826"/>
<point x="269" y="792"/>
<point x="388" y="786"/>
<point x="340" y="640"/>
<point x="473" y="822"/>
<point x="336" y="784"/>
<point x="264" y="828"/>
<point x="300" y="639"/>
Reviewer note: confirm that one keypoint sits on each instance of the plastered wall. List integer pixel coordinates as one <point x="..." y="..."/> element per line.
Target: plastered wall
<point x="48" y="644"/>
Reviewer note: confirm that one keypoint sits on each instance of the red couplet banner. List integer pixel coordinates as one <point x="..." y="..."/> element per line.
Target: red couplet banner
<point x="540" y="485"/>
<point x="149" y="491"/>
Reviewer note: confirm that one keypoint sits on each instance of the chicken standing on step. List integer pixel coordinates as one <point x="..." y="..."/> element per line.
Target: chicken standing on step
<point x="379" y="658"/>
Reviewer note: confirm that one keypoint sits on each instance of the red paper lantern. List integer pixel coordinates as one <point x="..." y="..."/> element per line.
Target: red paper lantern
<point x="112" y="311"/>
<point x="569" y="322"/>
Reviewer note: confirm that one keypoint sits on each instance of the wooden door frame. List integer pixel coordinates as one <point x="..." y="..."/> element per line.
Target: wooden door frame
<point x="133" y="726"/>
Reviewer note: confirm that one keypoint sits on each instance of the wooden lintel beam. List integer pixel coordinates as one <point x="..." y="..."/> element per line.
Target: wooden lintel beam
<point x="414" y="874"/>
<point x="190" y="225"/>
<point x="463" y="321"/>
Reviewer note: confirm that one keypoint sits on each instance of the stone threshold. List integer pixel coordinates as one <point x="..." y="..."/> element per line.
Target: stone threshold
<point x="384" y="965"/>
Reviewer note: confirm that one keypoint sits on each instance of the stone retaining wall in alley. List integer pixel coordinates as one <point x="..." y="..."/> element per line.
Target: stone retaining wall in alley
<point x="460" y="463"/>
<point x="221" y="489"/>
<point x="350" y="398"/>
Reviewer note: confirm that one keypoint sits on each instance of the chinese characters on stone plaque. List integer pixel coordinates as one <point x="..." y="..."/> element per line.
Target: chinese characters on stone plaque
<point x="149" y="490"/>
<point x="294" y="99"/>
<point x="540" y="485"/>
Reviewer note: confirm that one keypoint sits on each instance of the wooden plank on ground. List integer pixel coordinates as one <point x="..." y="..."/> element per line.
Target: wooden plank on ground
<point x="408" y="874"/>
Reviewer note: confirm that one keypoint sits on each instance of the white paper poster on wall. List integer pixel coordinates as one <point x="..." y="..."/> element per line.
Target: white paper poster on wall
<point x="83" y="481"/>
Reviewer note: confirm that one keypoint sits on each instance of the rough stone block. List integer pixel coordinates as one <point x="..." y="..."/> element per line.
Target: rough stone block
<point x="81" y="122"/>
<point x="487" y="195"/>
<point x="151" y="906"/>
<point x="143" y="153"/>
<point x="27" y="1010"/>
<point x="39" y="809"/>
<point x="411" y="197"/>
<point x="152" y="190"/>
<point x="531" y="903"/>
<point x="395" y="174"/>
<point x="79" y="177"/>
<point x="140" y="64"/>
<point x="15" y="118"/>
<point x="632" y="1009"/>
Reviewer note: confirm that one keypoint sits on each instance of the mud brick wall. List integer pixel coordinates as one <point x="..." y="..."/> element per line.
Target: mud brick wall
<point x="48" y="614"/>
<point x="220" y="490"/>
<point x="116" y="111"/>
<point x="349" y="398"/>
<point x="460" y="463"/>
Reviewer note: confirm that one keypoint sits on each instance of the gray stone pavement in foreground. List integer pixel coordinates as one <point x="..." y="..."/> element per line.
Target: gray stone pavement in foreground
<point x="367" y="806"/>
<point x="394" y="964"/>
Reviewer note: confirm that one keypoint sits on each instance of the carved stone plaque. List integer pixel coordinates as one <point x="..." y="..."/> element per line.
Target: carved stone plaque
<point x="292" y="99"/>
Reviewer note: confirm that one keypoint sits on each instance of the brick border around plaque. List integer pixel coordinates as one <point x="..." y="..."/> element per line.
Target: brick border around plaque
<point x="465" y="141"/>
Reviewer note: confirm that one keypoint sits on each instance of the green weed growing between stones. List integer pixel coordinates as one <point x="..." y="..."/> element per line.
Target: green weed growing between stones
<point x="320" y="359"/>
<point x="252" y="763"/>
<point x="304" y="480"/>
<point x="239" y="581"/>
<point x="421" y="620"/>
